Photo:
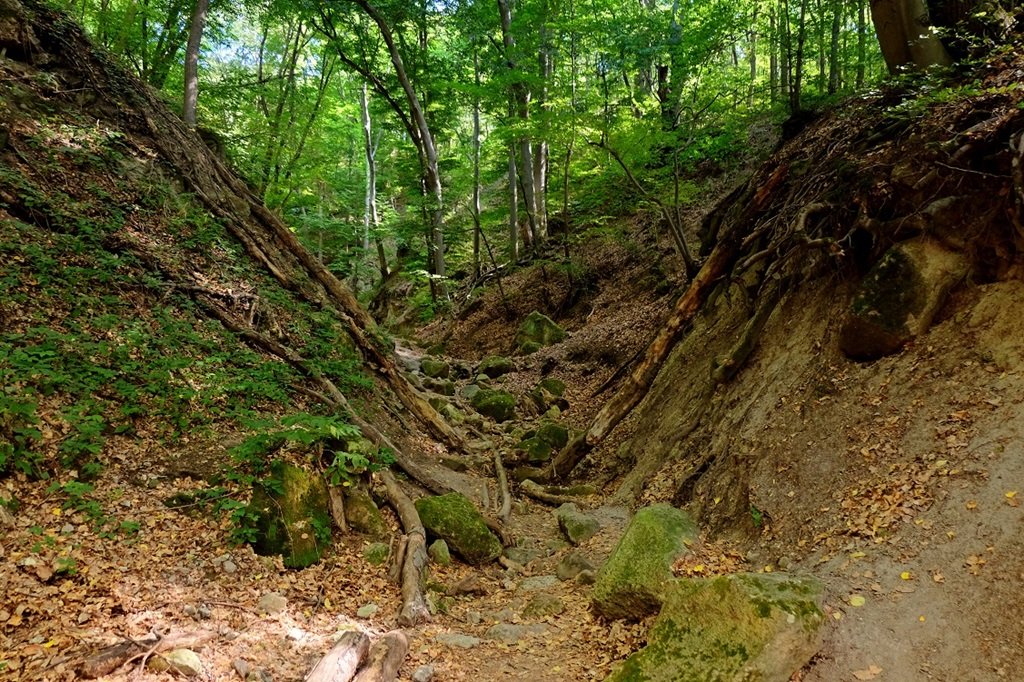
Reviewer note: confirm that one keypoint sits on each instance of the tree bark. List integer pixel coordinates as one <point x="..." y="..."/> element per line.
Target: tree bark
<point x="476" y="164"/>
<point x="414" y="606"/>
<point x="195" y="39"/>
<point x="386" y="656"/>
<point x="343" y="660"/>
<point x="371" y="218"/>
<point x="906" y="35"/>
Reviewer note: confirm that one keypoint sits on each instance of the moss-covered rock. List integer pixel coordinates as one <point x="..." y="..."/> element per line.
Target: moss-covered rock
<point x="536" y="331"/>
<point x="439" y="553"/>
<point x="577" y="526"/>
<point x="377" y="553"/>
<point x="536" y="450"/>
<point x="555" y="387"/>
<point x="454" y="519"/>
<point x="899" y="297"/>
<point x="555" y="435"/>
<point x="363" y="516"/>
<point x="441" y="386"/>
<point x="737" y="627"/>
<point x="292" y="516"/>
<point x="495" y="366"/>
<point x="498" y="405"/>
<point x="632" y="582"/>
<point x="434" y="368"/>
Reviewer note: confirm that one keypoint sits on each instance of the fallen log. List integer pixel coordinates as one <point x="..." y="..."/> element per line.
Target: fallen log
<point x="110" y="658"/>
<point x="386" y="657"/>
<point x="414" y="606"/>
<point x="546" y="494"/>
<point x="343" y="660"/>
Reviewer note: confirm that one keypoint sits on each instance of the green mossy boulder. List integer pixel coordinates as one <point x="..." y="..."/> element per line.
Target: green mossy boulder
<point x="454" y="519"/>
<point x="554" y="386"/>
<point x="899" y="297"/>
<point x="577" y="526"/>
<point x="440" y="386"/>
<point x="536" y="450"/>
<point x="289" y="522"/>
<point x="498" y="405"/>
<point x="377" y="553"/>
<point x="632" y="582"/>
<point x="537" y="331"/>
<point x="439" y="553"/>
<point x="363" y="516"/>
<point x="739" y="627"/>
<point x="555" y="435"/>
<point x="496" y="366"/>
<point x="434" y="368"/>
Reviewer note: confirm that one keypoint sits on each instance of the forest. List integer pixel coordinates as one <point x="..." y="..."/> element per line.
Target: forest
<point x="376" y="340"/>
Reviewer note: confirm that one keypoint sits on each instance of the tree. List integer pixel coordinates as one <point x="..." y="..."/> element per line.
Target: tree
<point x="906" y="36"/>
<point x="195" y="39"/>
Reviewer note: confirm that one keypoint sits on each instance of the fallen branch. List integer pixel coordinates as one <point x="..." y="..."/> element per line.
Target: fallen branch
<point x="342" y="661"/>
<point x="414" y="606"/>
<point x="338" y="507"/>
<point x="503" y="493"/>
<point x="110" y="658"/>
<point x="386" y="656"/>
<point x="544" y="494"/>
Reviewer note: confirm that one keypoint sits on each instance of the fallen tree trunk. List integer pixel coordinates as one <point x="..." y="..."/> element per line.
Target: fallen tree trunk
<point x="718" y="264"/>
<point x="110" y="658"/>
<point x="414" y="606"/>
<point x="386" y="657"/>
<point x="640" y="379"/>
<point x="343" y="660"/>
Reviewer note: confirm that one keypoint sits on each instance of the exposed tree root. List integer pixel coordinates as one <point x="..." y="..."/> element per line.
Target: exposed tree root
<point x="551" y="494"/>
<point x="343" y="660"/>
<point x="386" y="657"/>
<point x="110" y="658"/>
<point x="505" y="512"/>
<point x="414" y="606"/>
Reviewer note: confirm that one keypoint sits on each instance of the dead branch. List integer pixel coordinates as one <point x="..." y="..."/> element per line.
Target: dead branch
<point x="414" y="606"/>
<point x="503" y="493"/>
<point x="110" y="658"/>
<point x="338" y="508"/>
<point x="342" y="661"/>
<point x="386" y="657"/>
<point x="545" y="494"/>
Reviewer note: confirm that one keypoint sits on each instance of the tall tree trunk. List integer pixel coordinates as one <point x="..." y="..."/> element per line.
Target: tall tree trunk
<point x="752" y="56"/>
<point x="476" y="163"/>
<point x="428" y="149"/>
<point x="195" y="39"/>
<point x="786" y="50"/>
<point x="833" y="52"/>
<point x="513" y="209"/>
<point x="545" y="60"/>
<point x="796" y="85"/>
<point x="819" y="34"/>
<point x="906" y="35"/>
<point x="371" y="218"/>
<point x="862" y="41"/>
<point x="773" y="57"/>
<point x="521" y="96"/>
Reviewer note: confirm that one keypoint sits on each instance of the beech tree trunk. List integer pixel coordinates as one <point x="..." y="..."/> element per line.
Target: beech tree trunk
<point x="195" y="39"/>
<point x="906" y="35"/>
<point x="371" y="219"/>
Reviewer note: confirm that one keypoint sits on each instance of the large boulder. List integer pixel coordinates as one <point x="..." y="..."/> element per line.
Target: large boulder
<point x="633" y="581"/>
<point x="434" y="368"/>
<point x="577" y="526"/>
<point x="739" y="627"/>
<point x="363" y="516"/>
<point x="454" y="519"/>
<point x="495" y="366"/>
<point x="899" y="297"/>
<point x="536" y="331"/>
<point x="292" y="515"/>
<point x="498" y="405"/>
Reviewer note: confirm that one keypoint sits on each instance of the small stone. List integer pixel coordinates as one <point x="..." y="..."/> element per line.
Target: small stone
<point x="229" y="566"/>
<point x="296" y="634"/>
<point x="204" y="612"/>
<point x="543" y="605"/>
<point x="522" y="555"/>
<point x="241" y="667"/>
<point x="572" y="565"/>
<point x="587" y="577"/>
<point x="424" y="673"/>
<point x="577" y="526"/>
<point x="496" y="366"/>
<point x="538" y="582"/>
<point x="434" y="368"/>
<point x="182" y="661"/>
<point x="376" y="553"/>
<point x="474" y="617"/>
<point x="272" y="603"/>
<point x="458" y="640"/>
<point x="367" y="610"/>
<point x="190" y="611"/>
<point x="439" y="553"/>
<point x="67" y="529"/>
<point x="513" y="632"/>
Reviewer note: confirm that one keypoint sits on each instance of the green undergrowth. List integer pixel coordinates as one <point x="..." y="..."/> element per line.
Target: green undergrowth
<point x="94" y="343"/>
